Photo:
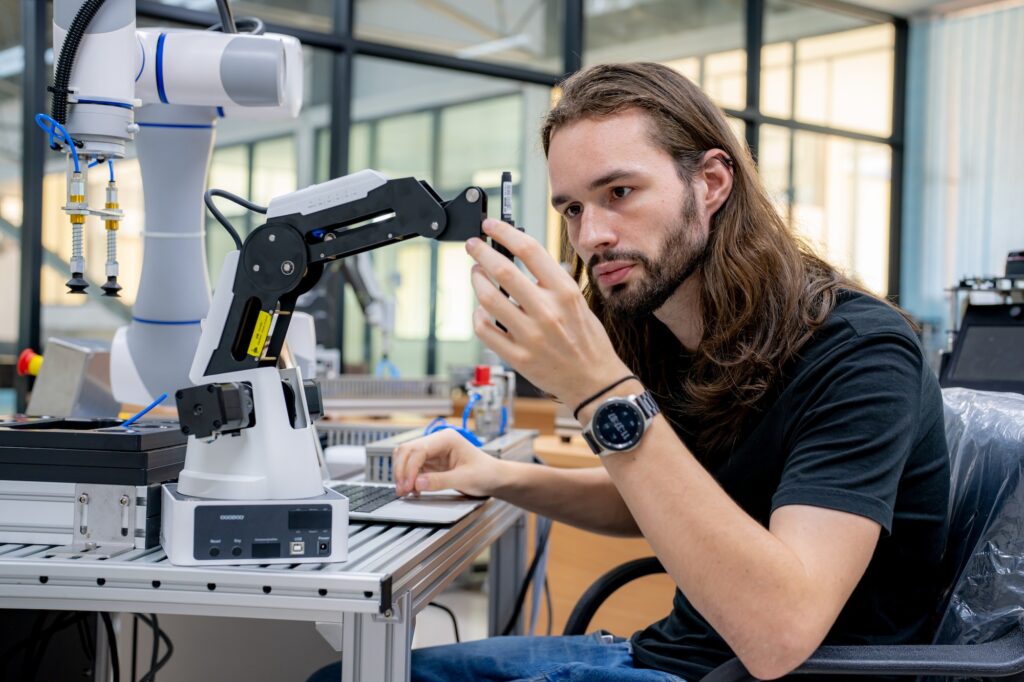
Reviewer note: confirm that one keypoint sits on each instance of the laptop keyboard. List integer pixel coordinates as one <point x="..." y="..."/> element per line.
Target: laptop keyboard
<point x="366" y="498"/>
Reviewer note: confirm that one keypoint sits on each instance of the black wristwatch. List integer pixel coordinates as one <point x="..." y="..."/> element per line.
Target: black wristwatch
<point x="619" y="423"/>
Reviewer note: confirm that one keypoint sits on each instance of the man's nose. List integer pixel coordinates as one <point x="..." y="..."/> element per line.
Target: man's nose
<point x="597" y="230"/>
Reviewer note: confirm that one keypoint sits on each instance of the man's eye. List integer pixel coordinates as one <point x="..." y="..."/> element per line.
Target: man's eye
<point x="621" y="192"/>
<point x="572" y="211"/>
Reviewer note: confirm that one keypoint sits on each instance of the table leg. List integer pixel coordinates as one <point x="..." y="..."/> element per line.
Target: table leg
<point x="378" y="648"/>
<point x="505" y="578"/>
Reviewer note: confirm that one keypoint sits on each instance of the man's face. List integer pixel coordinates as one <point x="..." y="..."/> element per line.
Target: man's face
<point x="630" y="217"/>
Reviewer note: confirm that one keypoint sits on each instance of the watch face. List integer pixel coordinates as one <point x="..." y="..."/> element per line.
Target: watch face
<point x="618" y="425"/>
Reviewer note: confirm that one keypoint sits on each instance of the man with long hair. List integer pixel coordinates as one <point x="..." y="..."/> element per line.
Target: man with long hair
<point x="767" y="425"/>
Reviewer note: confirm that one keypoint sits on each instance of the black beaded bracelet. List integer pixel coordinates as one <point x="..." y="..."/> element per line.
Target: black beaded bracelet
<point x="576" y="412"/>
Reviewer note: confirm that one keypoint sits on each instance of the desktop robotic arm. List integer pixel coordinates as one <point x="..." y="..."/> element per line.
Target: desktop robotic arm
<point x="249" y="422"/>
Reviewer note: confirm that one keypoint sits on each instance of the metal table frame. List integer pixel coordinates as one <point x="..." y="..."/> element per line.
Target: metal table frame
<point x="364" y="607"/>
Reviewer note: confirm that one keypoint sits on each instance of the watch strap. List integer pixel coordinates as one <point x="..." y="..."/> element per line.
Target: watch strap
<point x="649" y="408"/>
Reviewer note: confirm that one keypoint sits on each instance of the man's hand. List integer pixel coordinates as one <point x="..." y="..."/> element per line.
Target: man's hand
<point x="443" y="460"/>
<point x="553" y="338"/>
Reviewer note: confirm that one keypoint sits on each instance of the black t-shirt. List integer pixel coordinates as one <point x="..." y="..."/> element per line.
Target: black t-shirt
<point x="855" y="424"/>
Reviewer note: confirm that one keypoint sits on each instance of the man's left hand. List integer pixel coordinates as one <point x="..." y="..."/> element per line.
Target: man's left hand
<point x="553" y="338"/>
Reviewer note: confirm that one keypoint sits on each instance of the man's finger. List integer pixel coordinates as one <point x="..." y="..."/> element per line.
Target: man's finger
<point x="506" y="274"/>
<point x="502" y="343"/>
<point x="527" y="249"/>
<point x="412" y="466"/>
<point x="438" y="480"/>
<point x="496" y="303"/>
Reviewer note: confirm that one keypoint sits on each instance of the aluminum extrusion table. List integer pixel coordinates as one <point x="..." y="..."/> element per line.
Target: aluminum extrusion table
<point x="364" y="607"/>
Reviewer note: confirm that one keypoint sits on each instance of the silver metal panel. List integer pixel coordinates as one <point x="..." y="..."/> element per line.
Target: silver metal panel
<point x="417" y="562"/>
<point x="369" y="395"/>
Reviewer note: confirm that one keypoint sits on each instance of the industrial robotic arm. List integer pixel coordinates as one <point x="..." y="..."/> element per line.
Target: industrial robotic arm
<point x="166" y="89"/>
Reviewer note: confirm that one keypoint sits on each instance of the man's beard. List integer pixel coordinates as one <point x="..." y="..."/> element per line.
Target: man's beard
<point x="683" y="252"/>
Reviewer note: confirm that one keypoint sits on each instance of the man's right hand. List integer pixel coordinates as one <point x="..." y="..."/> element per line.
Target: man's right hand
<point x="443" y="460"/>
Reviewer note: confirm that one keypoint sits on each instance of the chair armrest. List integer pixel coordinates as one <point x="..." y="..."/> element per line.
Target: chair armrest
<point x="999" y="658"/>
<point x="603" y="587"/>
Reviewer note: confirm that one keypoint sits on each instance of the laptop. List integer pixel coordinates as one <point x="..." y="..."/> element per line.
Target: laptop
<point x="370" y="501"/>
<point x="377" y="502"/>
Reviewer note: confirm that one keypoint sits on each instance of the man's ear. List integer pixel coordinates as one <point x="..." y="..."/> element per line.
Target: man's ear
<point x="718" y="176"/>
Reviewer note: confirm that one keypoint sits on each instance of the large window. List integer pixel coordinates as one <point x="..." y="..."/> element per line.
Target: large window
<point x="452" y="130"/>
<point x="833" y="72"/>
<point x="511" y="32"/>
<point x="702" y="40"/>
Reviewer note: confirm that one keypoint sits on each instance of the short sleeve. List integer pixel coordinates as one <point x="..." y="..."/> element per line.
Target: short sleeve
<point x="852" y="437"/>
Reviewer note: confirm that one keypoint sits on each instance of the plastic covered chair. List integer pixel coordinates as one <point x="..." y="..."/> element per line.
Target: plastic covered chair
<point x="980" y="631"/>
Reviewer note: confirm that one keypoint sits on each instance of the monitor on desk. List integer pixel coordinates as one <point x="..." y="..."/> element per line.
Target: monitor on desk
<point x="988" y="351"/>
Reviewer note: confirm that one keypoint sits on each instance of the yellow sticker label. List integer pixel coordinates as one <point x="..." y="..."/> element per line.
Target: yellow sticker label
<point x="259" y="334"/>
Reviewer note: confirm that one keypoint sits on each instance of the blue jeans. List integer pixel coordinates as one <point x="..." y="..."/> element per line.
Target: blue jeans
<point x="582" y="658"/>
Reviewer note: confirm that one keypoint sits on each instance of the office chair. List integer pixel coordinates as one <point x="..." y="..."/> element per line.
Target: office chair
<point x="980" y="633"/>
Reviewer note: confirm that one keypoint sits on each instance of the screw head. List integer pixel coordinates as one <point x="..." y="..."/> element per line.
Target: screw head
<point x="329" y="237"/>
<point x="273" y="237"/>
<point x="472" y="195"/>
<point x="256" y="268"/>
<point x="434" y="226"/>
<point x="287" y="267"/>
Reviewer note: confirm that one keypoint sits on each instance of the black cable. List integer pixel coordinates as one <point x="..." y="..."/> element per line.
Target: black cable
<point x="60" y="623"/>
<point x="135" y="647"/>
<point x="547" y="600"/>
<point x="38" y="640"/>
<point x="68" y="50"/>
<point x="154" y="655"/>
<point x="227" y="20"/>
<point x="208" y="198"/>
<point x="158" y="631"/>
<point x="33" y="640"/>
<point x="115" y="665"/>
<point x="253" y="26"/>
<point x="83" y="638"/>
<point x="451" y="614"/>
<point x="521" y="597"/>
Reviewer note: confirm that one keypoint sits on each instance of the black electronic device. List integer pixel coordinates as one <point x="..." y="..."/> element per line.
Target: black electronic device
<point x="90" y="450"/>
<point x="989" y="350"/>
<point x="60" y="477"/>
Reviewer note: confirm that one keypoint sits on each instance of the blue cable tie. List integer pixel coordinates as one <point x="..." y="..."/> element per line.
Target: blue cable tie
<point x="138" y="415"/>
